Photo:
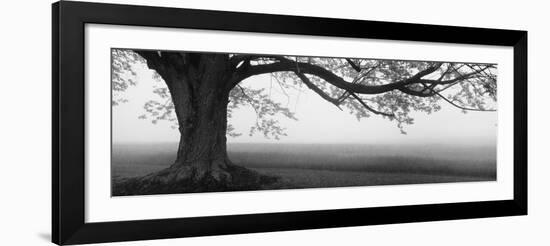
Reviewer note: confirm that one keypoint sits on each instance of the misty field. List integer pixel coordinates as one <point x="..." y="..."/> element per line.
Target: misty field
<point x="330" y="165"/>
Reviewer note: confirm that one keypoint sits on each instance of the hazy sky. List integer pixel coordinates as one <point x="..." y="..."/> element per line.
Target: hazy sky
<point x="318" y="120"/>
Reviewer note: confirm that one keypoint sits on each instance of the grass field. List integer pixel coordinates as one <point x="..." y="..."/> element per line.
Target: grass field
<point x="334" y="165"/>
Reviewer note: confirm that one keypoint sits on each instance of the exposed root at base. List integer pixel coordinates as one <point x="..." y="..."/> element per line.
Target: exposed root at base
<point x="216" y="177"/>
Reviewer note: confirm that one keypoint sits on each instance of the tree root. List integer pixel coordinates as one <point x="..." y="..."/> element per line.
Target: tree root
<point x="214" y="176"/>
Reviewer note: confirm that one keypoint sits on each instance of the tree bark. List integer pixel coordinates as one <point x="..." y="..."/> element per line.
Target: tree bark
<point x="203" y="125"/>
<point x="200" y="94"/>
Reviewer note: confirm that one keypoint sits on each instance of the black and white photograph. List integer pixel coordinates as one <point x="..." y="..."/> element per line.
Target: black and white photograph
<point x="199" y="121"/>
<point x="274" y="123"/>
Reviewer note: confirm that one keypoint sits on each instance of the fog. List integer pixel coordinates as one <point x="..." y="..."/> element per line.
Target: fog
<point x="318" y="120"/>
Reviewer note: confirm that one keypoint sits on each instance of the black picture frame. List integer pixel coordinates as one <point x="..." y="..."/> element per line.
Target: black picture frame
<point x="68" y="106"/>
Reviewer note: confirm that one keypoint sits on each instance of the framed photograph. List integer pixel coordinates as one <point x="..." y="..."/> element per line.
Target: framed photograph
<point x="176" y="122"/>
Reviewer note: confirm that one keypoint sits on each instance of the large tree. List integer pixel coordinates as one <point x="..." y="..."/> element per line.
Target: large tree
<point x="203" y="89"/>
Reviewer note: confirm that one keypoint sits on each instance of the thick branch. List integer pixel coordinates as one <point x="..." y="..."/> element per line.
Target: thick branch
<point x="345" y="95"/>
<point x="328" y="76"/>
<point x="154" y="61"/>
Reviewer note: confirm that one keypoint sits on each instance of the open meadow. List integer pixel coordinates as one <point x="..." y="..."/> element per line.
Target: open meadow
<point x="330" y="165"/>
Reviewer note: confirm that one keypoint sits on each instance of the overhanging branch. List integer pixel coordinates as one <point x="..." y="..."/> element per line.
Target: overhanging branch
<point x="433" y="92"/>
<point x="463" y="108"/>
<point x="307" y="68"/>
<point x="318" y="90"/>
<point x="369" y="108"/>
<point x="353" y="65"/>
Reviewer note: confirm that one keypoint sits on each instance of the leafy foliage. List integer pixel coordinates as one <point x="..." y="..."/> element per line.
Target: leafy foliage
<point x="473" y="92"/>
<point x="122" y="74"/>
<point x="465" y="86"/>
<point x="265" y="108"/>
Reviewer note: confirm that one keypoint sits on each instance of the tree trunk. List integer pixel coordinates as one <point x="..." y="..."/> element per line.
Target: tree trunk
<point x="202" y="148"/>
<point x="200" y="96"/>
